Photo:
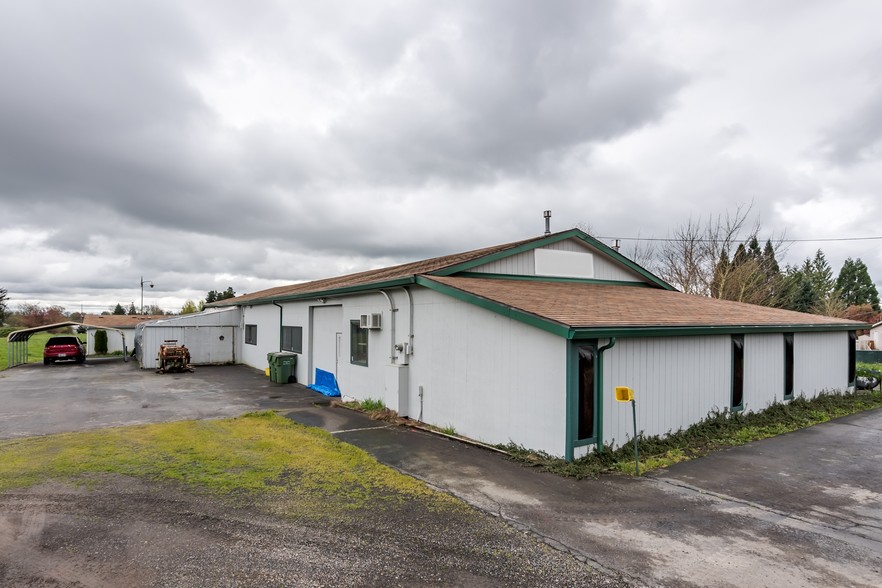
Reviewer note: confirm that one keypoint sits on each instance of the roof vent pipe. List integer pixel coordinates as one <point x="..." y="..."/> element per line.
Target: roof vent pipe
<point x="617" y="244"/>
<point x="547" y="215"/>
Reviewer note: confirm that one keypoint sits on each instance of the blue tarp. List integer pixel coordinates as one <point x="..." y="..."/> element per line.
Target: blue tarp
<point x="325" y="383"/>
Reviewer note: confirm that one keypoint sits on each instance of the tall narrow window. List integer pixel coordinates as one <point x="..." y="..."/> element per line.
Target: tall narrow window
<point x="788" y="366"/>
<point x="737" y="372"/>
<point x="852" y="348"/>
<point x="251" y="334"/>
<point x="358" y="344"/>
<point x="586" y="392"/>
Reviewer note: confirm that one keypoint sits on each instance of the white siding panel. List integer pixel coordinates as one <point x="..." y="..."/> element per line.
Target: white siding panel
<point x="676" y="382"/>
<point x="763" y="371"/>
<point x="490" y="377"/>
<point x="820" y="363"/>
<point x="266" y="317"/>
<point x="523" y="264"/>
<point x="204" y="343"/>
<point x="114" y="339"/>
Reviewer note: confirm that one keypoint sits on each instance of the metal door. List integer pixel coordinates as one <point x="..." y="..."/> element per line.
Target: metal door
<point x="324" y="340"/>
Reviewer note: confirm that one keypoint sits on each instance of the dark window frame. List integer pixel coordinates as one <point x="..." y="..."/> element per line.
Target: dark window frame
<point x="736" y="399"/>
<point x="852" y="358"/>
<point x="358" y="337"/>
<point x="586" y="392"/>
<point x="788" y="366"/>
<point x="292" y="339"/>
<point x="250" y="334"/>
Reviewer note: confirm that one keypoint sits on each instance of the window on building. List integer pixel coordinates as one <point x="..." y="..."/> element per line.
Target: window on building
<point x="251" y="334"/>
<point x="788" y="366"/>
<point x="358" y="344"/>
<point x="737" y="372"/>
<point x="585" y="425"/>
<point x="292" y="339"/>
<point x="852" y="353"/>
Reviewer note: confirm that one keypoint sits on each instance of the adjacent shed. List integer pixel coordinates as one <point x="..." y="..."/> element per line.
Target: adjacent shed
<point x="210" y="336"/>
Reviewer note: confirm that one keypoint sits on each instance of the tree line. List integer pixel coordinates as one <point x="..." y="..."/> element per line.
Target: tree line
<point x="28" y="315"/>
<point x="721" y="257"/>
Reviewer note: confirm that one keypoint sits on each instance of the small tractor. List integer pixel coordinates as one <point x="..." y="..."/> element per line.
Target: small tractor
<point x="173" y="358"/>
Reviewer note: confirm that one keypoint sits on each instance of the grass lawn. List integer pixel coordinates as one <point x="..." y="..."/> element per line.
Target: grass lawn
<point x="240" y="459"/>
<point x="35" y="347"/>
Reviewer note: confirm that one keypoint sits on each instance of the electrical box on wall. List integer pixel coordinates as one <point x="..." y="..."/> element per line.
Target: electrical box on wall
<point x="371" y="321"/>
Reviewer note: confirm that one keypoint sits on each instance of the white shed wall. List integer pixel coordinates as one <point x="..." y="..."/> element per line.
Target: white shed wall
<point x="490" y="377"/>
<point x="820" y="363"/>
<point x="676" y="381"/>
<point x="114" y="340"/>
<point x="523" y="264"/>
<point x="207" y="345"/>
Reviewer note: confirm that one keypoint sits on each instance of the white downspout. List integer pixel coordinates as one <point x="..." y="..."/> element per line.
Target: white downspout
<point x="410" y="326"/>
<point x="392" y="311"/>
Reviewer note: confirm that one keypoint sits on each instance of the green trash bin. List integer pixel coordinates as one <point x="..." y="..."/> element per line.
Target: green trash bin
<point x="273" y="364"/>
<point x="286" y="362"/>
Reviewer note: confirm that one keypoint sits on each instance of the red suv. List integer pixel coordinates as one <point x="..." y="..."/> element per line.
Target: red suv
<point x="62" y="348"/>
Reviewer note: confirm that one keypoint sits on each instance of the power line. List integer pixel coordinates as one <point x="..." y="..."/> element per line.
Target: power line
<point x="735" y="240"/>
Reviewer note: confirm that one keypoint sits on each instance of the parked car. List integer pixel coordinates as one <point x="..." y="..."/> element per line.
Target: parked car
<point x="64" y="348"/>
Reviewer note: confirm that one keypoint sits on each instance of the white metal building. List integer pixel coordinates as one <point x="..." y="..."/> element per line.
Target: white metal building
<point x="212" y="337"/>
<point x="526" y="341"/>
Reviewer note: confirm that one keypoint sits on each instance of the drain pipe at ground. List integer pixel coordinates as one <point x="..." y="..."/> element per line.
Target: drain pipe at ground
<point x="281" y="310"/>
<point x="410" y="324"/>
<point x="610" y="345"/>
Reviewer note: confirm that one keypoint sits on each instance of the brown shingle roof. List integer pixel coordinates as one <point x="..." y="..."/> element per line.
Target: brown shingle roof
<point x="374" y="276"/>
<point x="119" y="321"/>
<point x="582" y="305"/>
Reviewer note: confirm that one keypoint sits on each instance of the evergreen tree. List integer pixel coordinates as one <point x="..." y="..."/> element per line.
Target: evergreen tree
<point x="821" y="274"/>
<point x="805" y="296"/>
<point x="854" y="285"/>
<point x="769" y="262"/>
<point x="119" y="309"/>
<point x="132" y="309"/>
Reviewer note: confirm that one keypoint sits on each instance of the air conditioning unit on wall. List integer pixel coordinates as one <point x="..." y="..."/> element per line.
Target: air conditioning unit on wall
<point x="371" y="321"/>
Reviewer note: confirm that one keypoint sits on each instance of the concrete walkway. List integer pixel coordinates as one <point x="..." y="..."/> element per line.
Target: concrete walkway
<point x="803" y="509"/>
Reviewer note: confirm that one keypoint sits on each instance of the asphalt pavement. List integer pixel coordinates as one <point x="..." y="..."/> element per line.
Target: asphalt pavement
<point x="803" y="509"/>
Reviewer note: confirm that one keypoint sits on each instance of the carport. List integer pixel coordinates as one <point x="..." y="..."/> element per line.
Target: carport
<point x="17" y="351"/>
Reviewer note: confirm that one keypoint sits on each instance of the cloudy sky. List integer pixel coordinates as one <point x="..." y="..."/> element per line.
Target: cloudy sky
<point x="201" y="145"/>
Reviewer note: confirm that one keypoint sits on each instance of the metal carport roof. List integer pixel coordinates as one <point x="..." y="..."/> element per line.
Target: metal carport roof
<point x="17" y="351"/>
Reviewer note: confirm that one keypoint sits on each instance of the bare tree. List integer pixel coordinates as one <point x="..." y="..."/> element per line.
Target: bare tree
<point x="696" y="259"/>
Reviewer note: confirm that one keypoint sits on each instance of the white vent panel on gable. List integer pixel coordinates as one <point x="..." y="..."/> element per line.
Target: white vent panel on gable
<point x="563" y="264"/>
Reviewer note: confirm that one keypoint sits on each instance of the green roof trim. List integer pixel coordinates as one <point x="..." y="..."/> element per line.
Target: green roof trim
<point x="331" y="292"/>
<point x="664" y="331"/>
<point x="556" y="238"/>
<point x="533" y="320"/>
<point x="490" y="276"/>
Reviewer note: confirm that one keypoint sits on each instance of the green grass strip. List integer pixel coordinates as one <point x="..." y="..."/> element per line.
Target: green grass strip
<point x="256" y="454"/>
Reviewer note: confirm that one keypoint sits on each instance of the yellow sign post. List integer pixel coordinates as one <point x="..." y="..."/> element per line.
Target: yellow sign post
<point x="625" y="394"/>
